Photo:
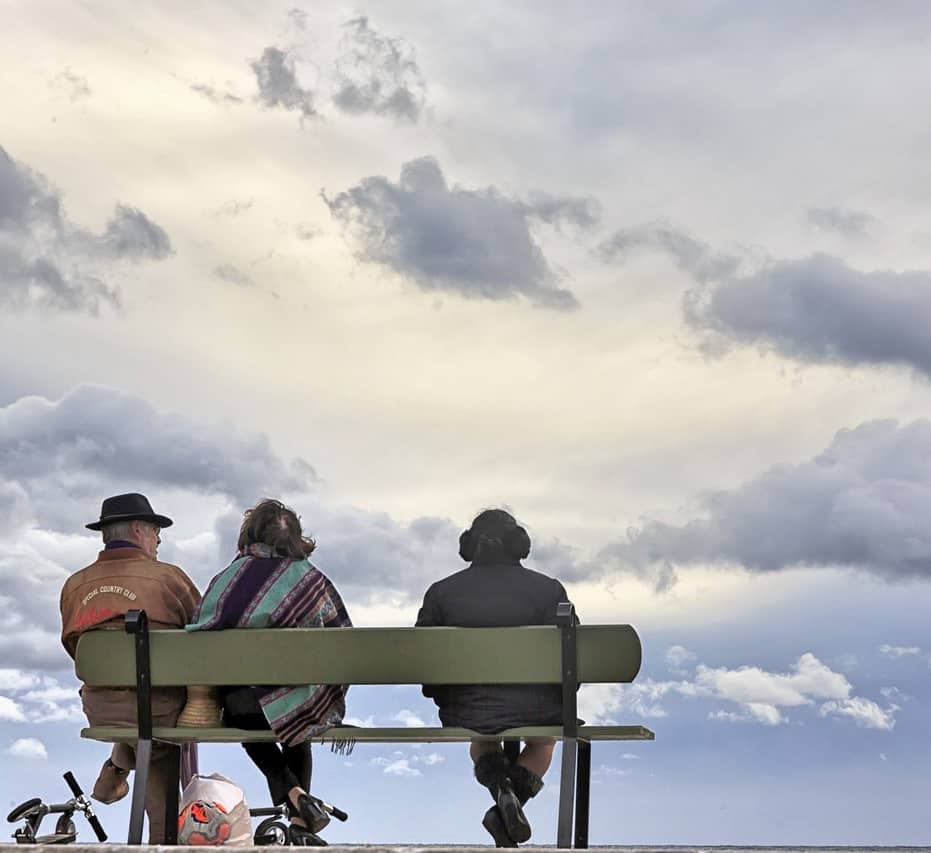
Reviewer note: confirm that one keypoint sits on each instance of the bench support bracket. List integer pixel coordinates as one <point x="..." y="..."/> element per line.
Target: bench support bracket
<point x="137" y="624"/>
<point x="565" y="618"/>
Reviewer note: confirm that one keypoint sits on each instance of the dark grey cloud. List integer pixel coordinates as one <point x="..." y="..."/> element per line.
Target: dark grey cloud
<point x="278" y="85"/>
<point x="693" y="257"/>
<point x="818" y="309"/>
<point x="849" y="223"/>
<point x="222" y="97"/>
<point x="96" y="438"/>
<point x="59" y="458"/>
<point x="47" y="262"/>
<point x="476" y="243"/>
<point x="379" y="75"/>
<point x="863" y="503"/>
<point x="130" y="234"/>
<point x="233" y="275"/>
<point x="74" y="86"/>
<point x="563" y="210"/>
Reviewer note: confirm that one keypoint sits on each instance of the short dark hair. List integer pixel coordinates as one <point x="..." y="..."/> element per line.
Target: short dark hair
<point x="272" y="523"/>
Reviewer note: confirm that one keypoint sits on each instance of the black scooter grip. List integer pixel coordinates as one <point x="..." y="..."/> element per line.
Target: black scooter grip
<point x="95" y="825"/>
<point x="73" y="784"/>
<point x="339" y="814"/>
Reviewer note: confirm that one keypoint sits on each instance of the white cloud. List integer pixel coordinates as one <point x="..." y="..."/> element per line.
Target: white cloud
<point x="10" y="710"/>
<point x="27" y="747"/>
<point x="396" y="766"/>
<point x="678" y="656"/>
<point x="896" y="652"/>
<point x="608" y="770"/>
<point x="729" y="716"/>
<point x="864" y="712"/>
<point x="409" y="719"/>
<point x="761" y="696"/>
<point x="750" y="685"/>
<point x="16" y="679"/>
<point x="367" y="723"/>
<point x="430" y="759"/>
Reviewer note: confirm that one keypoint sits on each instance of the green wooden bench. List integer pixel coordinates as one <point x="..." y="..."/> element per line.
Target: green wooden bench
<point x="565" y="654"/>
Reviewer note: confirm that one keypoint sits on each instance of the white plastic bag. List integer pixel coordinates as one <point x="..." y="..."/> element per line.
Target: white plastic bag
<point x="214" y="813"/>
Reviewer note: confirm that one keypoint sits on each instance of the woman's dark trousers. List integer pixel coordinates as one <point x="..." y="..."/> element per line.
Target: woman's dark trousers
<point x="285" y="767"/>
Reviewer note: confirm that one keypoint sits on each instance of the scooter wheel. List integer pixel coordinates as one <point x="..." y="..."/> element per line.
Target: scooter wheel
<point x="271" y="832"/>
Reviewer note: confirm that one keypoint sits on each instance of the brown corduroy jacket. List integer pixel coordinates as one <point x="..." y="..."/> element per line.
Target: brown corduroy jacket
<point x="123" y="579"/>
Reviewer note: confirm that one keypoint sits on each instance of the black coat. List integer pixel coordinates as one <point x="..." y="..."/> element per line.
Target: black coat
<point x="494" y="595"/>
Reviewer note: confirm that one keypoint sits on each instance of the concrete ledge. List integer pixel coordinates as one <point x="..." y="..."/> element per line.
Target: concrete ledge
<point x="456" y="848"/>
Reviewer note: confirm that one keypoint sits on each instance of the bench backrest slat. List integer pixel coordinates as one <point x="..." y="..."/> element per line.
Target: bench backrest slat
<point x="525" y="655"/>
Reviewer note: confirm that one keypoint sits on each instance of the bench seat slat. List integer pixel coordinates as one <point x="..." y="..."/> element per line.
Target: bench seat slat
<point x="112" y="734"/>
<point x="522" y="655"/>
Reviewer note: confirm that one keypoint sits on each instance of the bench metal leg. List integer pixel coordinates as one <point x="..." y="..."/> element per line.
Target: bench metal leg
<point x="582" y="793"/>
<point x="566" y="793"/>
<point x="140" y="784"/>
<point x="171" y="797"/>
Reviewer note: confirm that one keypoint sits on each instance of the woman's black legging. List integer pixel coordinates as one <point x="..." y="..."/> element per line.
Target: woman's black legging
<point x="284" y="767"/>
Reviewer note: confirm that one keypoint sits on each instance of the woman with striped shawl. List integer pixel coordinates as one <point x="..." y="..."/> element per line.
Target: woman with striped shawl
<point x="272" y="584"/>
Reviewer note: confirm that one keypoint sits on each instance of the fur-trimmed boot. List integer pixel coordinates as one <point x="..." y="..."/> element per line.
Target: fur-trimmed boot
<point x="492" y="770"/>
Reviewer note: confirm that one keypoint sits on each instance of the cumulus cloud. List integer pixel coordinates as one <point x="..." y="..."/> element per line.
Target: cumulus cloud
<point x="820" y="310"/>
<point x="759" y="695"/>
<point x="864" y="712"/>
<point x="10" y="710"/>
<point x="693" y="257"/>
<point x="409" y="719"/>
<point x="476" y="243"/>
<point x="131" y="234"/>
<point x="16" y="679"/>
<point x="376" y="74"/>
<point x="678" y="656"/>
<point x="863" y="503"/>
<point x="95" y="434"/>
<point x="47" y="262"/>
<point x="276" y="75"/>
<point x="27" y="747"/>
<point x="849" y="223"/>
<point x="397" y="765"/>
<point x="763" y="694"/>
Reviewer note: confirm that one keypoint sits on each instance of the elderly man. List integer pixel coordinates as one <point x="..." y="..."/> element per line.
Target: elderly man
<point x="125" y="576"/>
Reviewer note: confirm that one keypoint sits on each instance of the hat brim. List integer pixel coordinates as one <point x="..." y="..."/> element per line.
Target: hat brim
<point x="152" y="518"/>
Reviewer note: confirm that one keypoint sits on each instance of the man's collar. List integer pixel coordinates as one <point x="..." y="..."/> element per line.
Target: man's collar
<point x="128" y="553"/>
<point x="120" y="543"/>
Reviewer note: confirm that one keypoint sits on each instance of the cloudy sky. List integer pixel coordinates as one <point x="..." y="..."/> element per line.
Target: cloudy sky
<point x="656" y="276"/>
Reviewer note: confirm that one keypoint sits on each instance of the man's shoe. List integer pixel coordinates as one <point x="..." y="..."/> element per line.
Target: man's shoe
<point x="112" y="784"/>
<point x="496" y="828"/>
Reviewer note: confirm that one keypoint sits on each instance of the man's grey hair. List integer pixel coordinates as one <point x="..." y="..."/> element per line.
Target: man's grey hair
<point x="117" y="530"/>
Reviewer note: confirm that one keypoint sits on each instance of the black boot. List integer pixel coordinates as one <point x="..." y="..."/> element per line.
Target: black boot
<point x="491" y="770"/>
<point x="494" y="823"/>
<point x="526" y="783"/>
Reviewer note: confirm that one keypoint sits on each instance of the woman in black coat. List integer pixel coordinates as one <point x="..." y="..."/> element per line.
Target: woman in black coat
<point x="495" y="591"/>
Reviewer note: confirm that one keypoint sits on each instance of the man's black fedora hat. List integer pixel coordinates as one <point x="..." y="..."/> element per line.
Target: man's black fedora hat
<point x="131" y="507"/>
